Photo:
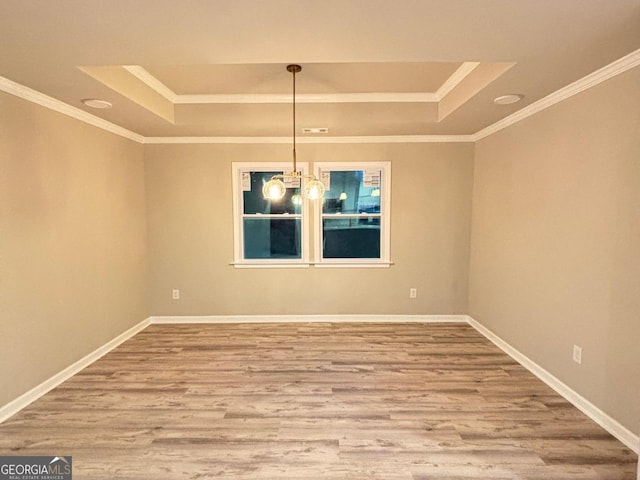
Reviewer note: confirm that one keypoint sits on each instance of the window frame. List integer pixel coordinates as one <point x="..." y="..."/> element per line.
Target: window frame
<point x="238" y="168"/>
<point x="384" y="215"/>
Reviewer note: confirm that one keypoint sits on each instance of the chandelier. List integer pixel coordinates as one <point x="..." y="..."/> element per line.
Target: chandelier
<point x="275" y="188"/>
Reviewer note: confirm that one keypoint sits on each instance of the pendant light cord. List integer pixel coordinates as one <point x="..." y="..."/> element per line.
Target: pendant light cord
<point x="293" y="68"/>
<point x="295" y="169"/>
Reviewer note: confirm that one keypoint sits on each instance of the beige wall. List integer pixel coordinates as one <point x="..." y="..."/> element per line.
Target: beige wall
<point x="190" y="232"/>
<point x="554" y="257"/>
<point x="72" y="242"/>
<point x="556" y="237"/>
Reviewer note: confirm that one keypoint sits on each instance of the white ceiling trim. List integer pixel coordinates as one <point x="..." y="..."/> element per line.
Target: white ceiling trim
<point x="454" y="80"/>
<point x="152" y="82"/>
<point x="26" y="93"/>
<point x="615" y="68"/>
<point x="309" y="98"/>
<point x="605" y="73"/>
<point x="326" y="140"/>
<point x="387" y="97"/>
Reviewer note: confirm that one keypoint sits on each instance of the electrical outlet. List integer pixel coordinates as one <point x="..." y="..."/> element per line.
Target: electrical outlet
<point x="577" y="354"/>
<point x="175" y="294"/>
<point x="413" y="292"/>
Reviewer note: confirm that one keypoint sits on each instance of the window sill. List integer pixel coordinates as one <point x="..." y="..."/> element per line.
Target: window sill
<point x="353" y="264"/>
<point x="276" y="264"/>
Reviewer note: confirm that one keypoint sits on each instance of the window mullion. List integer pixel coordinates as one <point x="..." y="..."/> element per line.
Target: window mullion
<point x="282" y="216"/>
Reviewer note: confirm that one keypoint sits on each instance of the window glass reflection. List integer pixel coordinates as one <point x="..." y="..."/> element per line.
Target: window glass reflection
<point x="351" y="237"/>
<point x="271" y="238"/>
<point x="254" y="201"/>
<point x="348" y="195"/>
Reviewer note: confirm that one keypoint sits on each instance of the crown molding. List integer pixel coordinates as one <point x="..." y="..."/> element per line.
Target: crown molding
<point x="387" y="97"/>
<point x="313" y="140"/>
<point x="26" y="93"/>
<point x="615" y="68"/>
<point x="605" y="73"/>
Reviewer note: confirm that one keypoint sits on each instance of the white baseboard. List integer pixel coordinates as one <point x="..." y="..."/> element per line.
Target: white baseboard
<point x="35" y="393"/>
<point x="32" y="395"/>
<point x="308" y="319"/>
<point x="585" y="406"/>
<point x="605" y="421"/>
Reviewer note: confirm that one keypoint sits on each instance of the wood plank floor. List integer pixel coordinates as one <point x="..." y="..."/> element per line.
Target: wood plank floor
<point x="313" y="401"/>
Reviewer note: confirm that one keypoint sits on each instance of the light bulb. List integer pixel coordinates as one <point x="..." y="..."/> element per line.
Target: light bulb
<point x="296" y="199"/>
<point x="314" y="189"/>
<point x="274" y="189"/>
<point x="343" y="196"/>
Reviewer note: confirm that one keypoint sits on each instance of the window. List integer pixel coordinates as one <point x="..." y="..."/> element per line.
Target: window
<point x="267" y="232"/>
<point x="351" y="224"/>
<point x="354" y="218"/>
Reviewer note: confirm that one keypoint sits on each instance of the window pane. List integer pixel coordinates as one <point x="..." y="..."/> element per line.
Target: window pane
<point x="348" y="194"/>
<point x="254" y="201"/>
<point x="351" y="237"/>
<point x="271" y="238"/>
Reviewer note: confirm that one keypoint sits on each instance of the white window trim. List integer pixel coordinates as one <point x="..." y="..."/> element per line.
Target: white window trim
<point x="385" y="218"/>
<point x="238" y="215"/>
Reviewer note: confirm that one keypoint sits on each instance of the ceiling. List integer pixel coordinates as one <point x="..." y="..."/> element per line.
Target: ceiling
<point x="205" y="68"/>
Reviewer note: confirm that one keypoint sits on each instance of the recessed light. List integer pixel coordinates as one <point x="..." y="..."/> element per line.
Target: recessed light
<point x="96" y="103"/>
<point x="508" y="99"/>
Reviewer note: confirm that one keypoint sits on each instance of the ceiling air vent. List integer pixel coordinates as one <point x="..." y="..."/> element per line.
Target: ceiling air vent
<point x="315" y="130"/>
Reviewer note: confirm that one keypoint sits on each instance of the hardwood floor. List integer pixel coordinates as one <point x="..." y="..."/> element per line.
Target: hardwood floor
<point x="313" y="401"/>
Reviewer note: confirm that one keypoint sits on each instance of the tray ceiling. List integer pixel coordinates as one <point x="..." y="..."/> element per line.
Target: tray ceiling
<point x="375" y="68"/>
